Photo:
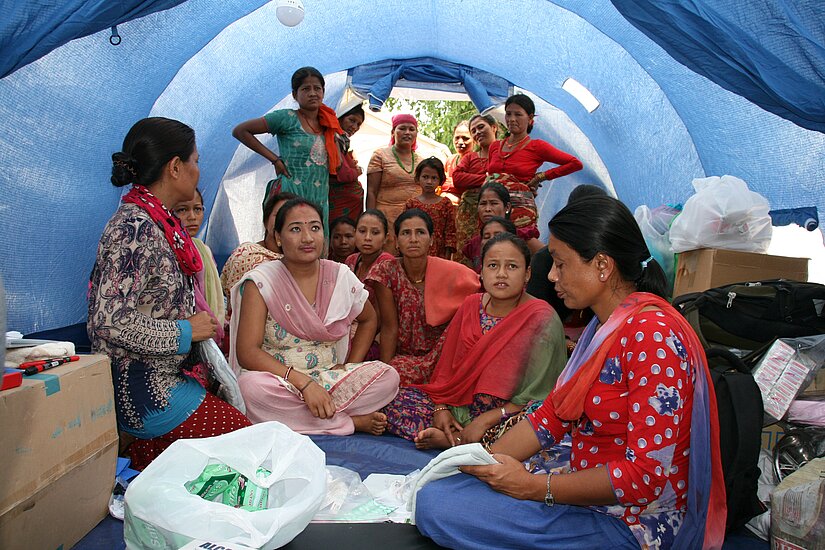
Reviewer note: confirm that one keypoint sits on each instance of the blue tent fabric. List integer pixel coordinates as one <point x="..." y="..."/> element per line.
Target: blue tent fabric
<point x="30" y="30"/>
<point x="771" y="52"/>
<point x="376" y="80"/>
<point x="213" y="64"/>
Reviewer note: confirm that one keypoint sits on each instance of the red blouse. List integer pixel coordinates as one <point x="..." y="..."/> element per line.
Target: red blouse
<point x="470" y="173"/>
<point x="524" y="162"/>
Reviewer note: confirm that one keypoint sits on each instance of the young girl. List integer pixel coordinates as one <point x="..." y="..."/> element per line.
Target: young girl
<point x="342" y="239"/>
<point x="494" y="201"/>
<point x="430" y="175"/>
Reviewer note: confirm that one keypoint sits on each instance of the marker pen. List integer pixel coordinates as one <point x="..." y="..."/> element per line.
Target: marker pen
<point x="29" y="369"/>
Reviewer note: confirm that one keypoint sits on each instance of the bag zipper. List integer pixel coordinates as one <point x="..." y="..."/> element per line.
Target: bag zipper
<point x="731" y="296"/>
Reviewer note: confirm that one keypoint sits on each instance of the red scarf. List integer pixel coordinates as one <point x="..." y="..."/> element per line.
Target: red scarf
<point x="182" y="245"/>
<point x="329" y="122"/>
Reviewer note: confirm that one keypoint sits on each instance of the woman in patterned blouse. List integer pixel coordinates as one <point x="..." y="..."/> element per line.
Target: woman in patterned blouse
<point x="142" y="310"/>
<point x="644" y="471"/>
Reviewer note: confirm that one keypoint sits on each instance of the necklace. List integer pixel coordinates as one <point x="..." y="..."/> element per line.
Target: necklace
<point x="414" y="281"/>
<point x="398" y="160"/>
<point x="311" y="127"/>
<point x="512" y="148"/>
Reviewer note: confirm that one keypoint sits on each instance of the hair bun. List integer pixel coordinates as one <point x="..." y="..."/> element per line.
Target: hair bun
<point x="124" y="169"/>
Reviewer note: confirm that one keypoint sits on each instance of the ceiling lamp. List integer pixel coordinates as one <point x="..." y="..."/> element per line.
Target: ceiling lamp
<point x="290" y="12"/>
<point x="582" y="94"/>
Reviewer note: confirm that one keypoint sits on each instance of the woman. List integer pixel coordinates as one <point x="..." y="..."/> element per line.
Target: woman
<point x="208" y="282"/>
<point x="142" y="310"/>
<point x="635" y="397"/>
<point x="429" y="175"/>
<point x="342" y="239"/>
<point x="290" y="337"/>
<point x="462" y="142"/>
<point x="494" y="201"/>
<point x="417" y="296"/>
<point x="249" y="255"/>
<point x="468" y="177"/>
<point x="346" y="196"/>
<point x="307" y="142"/>
<point x="515" y="159"/>
<point x="390" y="179"/>
<point x="503" y="349"/>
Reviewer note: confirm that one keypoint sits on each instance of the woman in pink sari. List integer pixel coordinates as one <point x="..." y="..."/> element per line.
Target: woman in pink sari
<point x="290" y="337"/>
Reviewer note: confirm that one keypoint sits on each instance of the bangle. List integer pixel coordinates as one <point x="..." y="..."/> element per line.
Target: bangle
<point x="441" y="408"/>
<point x="276" y="161"/>
<point x="503" y="414"/>
<point x="305" y="386"/>
<point x="286" y="376"/>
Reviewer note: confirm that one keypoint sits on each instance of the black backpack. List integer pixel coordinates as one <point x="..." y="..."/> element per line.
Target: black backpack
<point x="739" y="404"/>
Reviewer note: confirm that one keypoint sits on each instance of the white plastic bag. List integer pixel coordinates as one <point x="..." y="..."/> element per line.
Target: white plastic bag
<point x="723" y="213"/>
<point x="229" y="391"/>
<point x="162" y="514"/>
<point x="655" y="227"/>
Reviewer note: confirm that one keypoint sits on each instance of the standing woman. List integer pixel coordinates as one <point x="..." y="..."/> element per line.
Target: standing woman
<point x="346" y="196"/>
<point x="468" y="177"/>
<point x="463" y="144"/>
<point x="306" y="141"/>
<point x="142" y="311"/>
<point x="390" y="173"/>
<point x="417" y="297"/>
<point x="515" y="159"/>
<point x="636" y="399"/>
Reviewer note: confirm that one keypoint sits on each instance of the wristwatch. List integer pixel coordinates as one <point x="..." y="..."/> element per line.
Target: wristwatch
<point x="548" y="498"/>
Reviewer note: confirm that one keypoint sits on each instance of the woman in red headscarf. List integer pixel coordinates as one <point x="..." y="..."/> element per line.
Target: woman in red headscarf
<point x="390" y="173"/>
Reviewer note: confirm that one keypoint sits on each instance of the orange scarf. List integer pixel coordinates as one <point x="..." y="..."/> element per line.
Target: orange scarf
<point x="446" y="286"/>
<point x="329" y="122"/>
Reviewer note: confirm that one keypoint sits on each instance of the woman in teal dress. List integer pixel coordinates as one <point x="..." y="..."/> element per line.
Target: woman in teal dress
<point x="306" y="141"/>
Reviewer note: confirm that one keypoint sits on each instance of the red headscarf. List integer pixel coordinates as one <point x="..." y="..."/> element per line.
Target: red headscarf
<point x="403" y="119"/>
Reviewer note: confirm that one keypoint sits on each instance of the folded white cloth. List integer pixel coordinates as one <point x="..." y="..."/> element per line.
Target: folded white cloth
<point x="447" y="463"/>
<point x="15" y="356"/>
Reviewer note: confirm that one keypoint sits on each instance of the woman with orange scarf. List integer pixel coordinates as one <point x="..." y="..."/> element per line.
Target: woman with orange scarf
<point x="307" y="143"/>
<point x="636" y="399"/>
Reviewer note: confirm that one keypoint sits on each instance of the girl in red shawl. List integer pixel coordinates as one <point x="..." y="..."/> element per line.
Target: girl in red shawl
<point x="503" y="349"/>
<point x="346" y="196"/>
<point x="515" y="159"/>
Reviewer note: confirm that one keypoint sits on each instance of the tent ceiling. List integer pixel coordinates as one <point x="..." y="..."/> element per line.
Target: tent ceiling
<point x="213" y="64"/>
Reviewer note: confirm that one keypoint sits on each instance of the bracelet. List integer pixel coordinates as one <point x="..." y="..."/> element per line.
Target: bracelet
<point x="442" y="408"/>
<point x="286" y="376"/>
<point x="276" y="161"/>
<point x="301" y="390"/>
<point x="503" y="414"/>
<point x="548" y="498"/>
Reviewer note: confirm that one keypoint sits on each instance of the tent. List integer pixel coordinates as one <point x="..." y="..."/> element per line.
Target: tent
<point x="686" y="89"/>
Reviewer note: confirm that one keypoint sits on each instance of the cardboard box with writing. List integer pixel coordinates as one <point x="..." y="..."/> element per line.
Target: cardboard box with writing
<point x="699" y="270"/>
<point x="59" y="453"/>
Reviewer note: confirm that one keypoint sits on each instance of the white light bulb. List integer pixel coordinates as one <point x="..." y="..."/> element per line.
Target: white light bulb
<point x="290" y="12"/>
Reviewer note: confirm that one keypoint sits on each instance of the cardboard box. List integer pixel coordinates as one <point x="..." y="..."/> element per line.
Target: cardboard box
<point x="58" y="454"/>
<point x="699" y="270"/>
<point x="771" y="435"/>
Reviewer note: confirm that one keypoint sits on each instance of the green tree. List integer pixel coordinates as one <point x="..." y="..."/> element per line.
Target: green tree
<point x="436" y="118"/>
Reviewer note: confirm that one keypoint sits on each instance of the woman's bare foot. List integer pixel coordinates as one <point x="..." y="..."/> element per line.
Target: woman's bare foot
<point x="373" y="423"/>
<point x="431" y="438"/>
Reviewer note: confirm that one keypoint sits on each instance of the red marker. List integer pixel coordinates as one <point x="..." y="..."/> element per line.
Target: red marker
<point x="33" y="367"/>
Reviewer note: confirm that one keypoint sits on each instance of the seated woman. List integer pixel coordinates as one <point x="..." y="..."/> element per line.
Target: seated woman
<point x="417" y="296"/>
<point x="208" y="287"/>
<point x="503" y="349"/>
<point x="290" y="337"/>
<point x="249" y="255"/>
<point x="142" y="310"/>
<point x="636" y="399"/>
<point x="342" y="239"/>
<point x="494" y="201"/>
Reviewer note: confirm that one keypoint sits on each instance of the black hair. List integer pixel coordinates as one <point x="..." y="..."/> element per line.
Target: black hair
<point x="378" y="214"/>
<point x="148" y="146"/>
<point x="508" y="225"/>
<point x="198" y="191"/>
<point x="269" y="206"/>
<point x="302" y="74"/>
<point x="413" y="213"/>
<point x="489" y="119"/>
<point x="501" y="191"/>
<point x="525" y="103"/>
<point x="280" y="217"/>
<point x="586" y="190"/>
<point x="357" y="110"/>
<point x="603" y="224"/>
<point x="508" y="238"/>
<point x="434" y="163"/>
<point x="346" y="220"/>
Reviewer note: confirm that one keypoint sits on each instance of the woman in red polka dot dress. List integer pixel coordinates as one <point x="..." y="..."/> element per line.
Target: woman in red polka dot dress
<point x="635" y="398"/>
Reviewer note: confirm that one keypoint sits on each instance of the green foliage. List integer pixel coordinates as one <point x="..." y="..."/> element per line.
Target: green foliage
<point x="436" y="119"/>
